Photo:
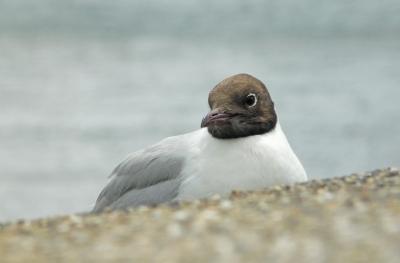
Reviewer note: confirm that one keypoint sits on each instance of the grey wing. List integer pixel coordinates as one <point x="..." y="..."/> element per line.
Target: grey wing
<point x="146" y="177"/>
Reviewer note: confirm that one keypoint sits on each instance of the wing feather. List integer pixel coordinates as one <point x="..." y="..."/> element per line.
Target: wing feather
<point x="145" y="177"/>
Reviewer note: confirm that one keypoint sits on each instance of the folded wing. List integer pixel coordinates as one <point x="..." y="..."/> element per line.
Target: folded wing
<point x="146" y="177"/>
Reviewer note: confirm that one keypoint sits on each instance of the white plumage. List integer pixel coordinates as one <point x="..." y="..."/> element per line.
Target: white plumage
<point x="215" y="166"/>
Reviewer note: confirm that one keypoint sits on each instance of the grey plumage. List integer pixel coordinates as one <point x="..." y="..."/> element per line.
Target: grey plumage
<point x="159" y="193"/>
<point x="145" y="177"/>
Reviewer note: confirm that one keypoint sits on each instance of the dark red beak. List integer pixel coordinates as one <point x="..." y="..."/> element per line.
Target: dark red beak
<point x="214" y="117"/>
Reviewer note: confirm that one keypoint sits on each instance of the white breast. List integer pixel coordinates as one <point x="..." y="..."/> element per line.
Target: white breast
<point x="217" y="166"/>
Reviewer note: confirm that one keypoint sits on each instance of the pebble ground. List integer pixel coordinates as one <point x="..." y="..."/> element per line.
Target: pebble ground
<point x="355" y="218"/>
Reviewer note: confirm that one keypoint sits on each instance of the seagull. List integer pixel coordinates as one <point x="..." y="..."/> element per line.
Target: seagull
<point x="240" y="146"/>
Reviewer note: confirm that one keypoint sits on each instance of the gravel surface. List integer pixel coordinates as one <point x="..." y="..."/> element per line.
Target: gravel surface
<point x="355" y="218"/>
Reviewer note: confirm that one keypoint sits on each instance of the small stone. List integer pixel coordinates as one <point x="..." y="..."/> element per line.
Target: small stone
<point x="63" y="228"/>
<point x="181" y="216"/>
<point x="369" y="180"/>
<point x="140" y="209"/>
<point x="215" y="198"/>
<point x="174" y="230"/>
<point x="75" y="219"/>
<point x="226" y="204"/>
<point x="209" y="214"/>
<point x="237" y="192"/>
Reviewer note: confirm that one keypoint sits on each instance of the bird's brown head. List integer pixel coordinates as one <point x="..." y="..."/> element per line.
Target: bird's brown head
<point x="240" y="106"/>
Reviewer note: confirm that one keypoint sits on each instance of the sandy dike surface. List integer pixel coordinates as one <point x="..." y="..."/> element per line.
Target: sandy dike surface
<point x="355" y="218"/>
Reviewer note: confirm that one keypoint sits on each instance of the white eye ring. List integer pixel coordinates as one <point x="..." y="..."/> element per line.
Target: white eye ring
<point x="251" y="100"/>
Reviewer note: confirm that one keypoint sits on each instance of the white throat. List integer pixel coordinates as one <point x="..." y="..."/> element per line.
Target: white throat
<point x="253" y="162"/>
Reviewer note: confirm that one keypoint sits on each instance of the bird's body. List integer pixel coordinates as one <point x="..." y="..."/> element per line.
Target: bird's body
<point x="220" y="166"/>
<point x="242" y="148"/>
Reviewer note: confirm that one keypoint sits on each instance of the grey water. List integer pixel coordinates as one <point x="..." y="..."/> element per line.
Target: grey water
<point x="84" y="83"/>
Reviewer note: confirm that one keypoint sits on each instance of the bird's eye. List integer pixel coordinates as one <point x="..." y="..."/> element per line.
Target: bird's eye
<point x="251" y="100"/>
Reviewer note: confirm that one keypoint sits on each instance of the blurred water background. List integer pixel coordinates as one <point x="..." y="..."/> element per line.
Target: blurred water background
<point x="83" y="83"/>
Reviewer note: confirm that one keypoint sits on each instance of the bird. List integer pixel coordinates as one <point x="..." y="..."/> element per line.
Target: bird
<point x="240" y="146"/>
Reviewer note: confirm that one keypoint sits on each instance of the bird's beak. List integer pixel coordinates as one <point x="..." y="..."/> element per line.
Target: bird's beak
<point x="214" y="117"/>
